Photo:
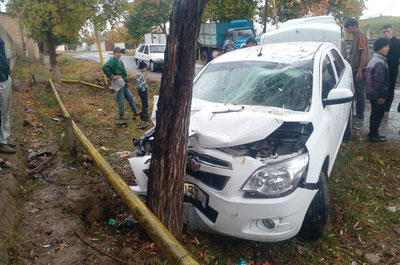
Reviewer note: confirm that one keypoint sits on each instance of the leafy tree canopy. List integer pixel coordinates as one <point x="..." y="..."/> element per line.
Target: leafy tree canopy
<point x="228" y="10"/>
<point x="119" y="34"/>
<point x="147" y="16"/>
<point x="290" y="9"/>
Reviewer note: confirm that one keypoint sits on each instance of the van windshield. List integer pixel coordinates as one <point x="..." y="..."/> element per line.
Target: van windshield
<point x="287" y="86"/>
<point x="157" y="48"/>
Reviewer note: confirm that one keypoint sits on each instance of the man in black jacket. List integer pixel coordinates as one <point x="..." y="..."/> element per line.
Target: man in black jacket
<point x="5" y="100"/>
<point x="393" y="58"/>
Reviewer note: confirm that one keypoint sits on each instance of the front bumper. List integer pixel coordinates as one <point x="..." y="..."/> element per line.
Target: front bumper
<point x="222" y="207"/>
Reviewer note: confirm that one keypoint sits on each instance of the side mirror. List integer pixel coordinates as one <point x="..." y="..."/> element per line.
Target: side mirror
<point x="338" y="96"/>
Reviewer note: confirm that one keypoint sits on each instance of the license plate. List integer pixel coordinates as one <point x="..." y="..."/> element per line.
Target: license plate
<point x="195" y="194"/>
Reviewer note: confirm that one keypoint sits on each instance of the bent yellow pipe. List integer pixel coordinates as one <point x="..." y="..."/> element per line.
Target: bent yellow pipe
<point x="172" y="249"/>
<point x="82" y="82"/>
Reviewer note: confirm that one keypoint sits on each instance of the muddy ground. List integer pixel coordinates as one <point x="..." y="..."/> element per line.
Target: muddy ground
<point x="54" y="215"/>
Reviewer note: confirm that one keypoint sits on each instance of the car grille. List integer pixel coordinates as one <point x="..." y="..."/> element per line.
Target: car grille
<point x="214" y="181"/>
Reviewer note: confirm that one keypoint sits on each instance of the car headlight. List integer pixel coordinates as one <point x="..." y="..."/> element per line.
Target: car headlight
<point x="277" y="179"/>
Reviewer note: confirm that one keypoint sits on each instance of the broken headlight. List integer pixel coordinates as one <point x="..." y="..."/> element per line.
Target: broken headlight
<point x="277" y="179"/>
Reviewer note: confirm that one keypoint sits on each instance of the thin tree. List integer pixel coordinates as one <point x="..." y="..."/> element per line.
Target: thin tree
<point x="168" y="163"/>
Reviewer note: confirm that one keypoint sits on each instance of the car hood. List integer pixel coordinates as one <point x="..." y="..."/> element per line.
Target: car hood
<point x="158" y="56"/>
<point x="216" y="125"/>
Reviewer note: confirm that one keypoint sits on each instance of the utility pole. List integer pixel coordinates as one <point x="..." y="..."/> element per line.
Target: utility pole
<point x="265" y="16"/>
<point x="97" y="33"/>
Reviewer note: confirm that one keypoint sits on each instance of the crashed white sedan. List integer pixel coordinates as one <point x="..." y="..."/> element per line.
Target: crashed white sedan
<point x="266" y="126"/>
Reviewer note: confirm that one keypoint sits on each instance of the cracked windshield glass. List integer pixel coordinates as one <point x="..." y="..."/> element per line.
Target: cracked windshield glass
<point x="287" y="86"/>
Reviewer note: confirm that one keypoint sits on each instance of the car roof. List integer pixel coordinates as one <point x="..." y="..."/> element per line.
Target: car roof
<point x="288" y="52"/>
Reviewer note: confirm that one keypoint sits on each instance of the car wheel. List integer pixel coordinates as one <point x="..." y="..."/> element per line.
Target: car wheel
<point x="152" y="66"/>
<point x="137" y="62"/>
<point x="316" y="218"/>
<point x="204" y="57"/>
<point x="349" y="127"/>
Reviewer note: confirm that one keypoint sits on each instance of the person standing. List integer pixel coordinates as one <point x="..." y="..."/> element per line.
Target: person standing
<point x="142" y="85"/>
<point x="115" y="70"/>
<point x="5" y="102"/>
<point x="393" y="58"/>
<point x="377" y="86"/>
<point x="229" y="43"/>
<point x="359" y="57"/>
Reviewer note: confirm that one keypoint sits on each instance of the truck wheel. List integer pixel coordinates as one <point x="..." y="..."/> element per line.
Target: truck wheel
<point x="152" y="66"/>
<point x="316" y="218"/>
<point x="204" y="57"/>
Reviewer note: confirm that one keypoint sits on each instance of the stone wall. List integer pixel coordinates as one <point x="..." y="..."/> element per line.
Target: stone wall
<point x="12" y="26"/>
<point x="9" y="46"/>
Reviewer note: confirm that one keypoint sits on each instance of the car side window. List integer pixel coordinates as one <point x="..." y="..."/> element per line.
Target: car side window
<point x="141" y="48"/>
<point x="328" y="77"/>
<point x="146" y="50"/>
<point x="338" y="61"/>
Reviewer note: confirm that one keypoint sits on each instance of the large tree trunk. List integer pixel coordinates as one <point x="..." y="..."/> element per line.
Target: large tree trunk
<point x="49" y="40"/>
<point x="168" y="163"/>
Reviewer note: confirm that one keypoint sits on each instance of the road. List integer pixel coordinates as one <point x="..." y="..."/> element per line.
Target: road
<point x="129" y="62"/>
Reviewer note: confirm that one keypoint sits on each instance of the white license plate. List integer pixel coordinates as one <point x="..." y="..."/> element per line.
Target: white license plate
<point x="196" y="194"/>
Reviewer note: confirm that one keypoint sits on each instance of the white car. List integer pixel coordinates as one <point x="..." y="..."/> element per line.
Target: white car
<point x="266" y="125"/>
<point x="151" y="54"/>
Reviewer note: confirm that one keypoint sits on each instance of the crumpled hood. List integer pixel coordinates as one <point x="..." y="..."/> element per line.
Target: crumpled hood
<point x="216" y="125"/>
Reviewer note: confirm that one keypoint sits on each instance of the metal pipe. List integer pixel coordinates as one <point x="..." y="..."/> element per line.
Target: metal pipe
<point x="82" y="82"/>
<point x="101" y="53"/>
<point x="172" y="249"/>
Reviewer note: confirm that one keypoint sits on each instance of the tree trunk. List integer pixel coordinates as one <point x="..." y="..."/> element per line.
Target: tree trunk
<point x="168" y="163"/>
<point x="53" y="56"/>
<point x="45" y="50"/>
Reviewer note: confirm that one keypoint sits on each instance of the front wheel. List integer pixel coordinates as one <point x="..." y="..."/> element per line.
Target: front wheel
<point x="317" y="215"/>
<point x="204" y="57"/>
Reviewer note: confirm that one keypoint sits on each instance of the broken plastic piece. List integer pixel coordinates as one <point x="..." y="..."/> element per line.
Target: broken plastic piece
<point x="34" y="156"/>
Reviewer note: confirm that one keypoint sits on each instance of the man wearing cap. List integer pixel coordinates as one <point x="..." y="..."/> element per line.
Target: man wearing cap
<point x="393" y="58"/>
<point x="5" y="103"/>
<point x="376" y="86"/>
<point x="358" y="60"/>
<point x="115" y="70"/>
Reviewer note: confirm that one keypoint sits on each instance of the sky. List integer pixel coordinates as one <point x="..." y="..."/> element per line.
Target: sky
<point x="385" y="7"/>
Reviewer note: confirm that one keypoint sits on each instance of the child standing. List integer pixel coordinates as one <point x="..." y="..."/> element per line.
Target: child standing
<point x="376" y="86"/>
<point x="141" y="81"/>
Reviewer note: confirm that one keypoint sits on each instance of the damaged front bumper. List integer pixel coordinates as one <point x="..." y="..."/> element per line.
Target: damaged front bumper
<point x="216" y="203"/>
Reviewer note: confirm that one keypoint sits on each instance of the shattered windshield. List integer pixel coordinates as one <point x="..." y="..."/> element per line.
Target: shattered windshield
<point x="287" y="86"/>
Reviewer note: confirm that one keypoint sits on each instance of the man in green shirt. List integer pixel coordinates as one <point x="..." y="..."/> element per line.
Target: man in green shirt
<point x="115" y="70"/>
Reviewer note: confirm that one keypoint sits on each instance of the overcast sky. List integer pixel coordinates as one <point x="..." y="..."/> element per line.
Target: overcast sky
<point x="384" y="7"/>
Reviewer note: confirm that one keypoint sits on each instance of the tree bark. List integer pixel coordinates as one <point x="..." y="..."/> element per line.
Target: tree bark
<point x="168" y="163"/>
<point x="53" y="56"/>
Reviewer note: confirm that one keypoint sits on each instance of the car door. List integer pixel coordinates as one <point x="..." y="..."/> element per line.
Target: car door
<point x="328" y="81"/>
<point x="146" y="54"/>
<point x="139" y="53"/>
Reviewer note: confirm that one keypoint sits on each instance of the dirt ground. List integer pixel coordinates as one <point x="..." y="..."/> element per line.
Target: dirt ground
<point x="46" y="217"/>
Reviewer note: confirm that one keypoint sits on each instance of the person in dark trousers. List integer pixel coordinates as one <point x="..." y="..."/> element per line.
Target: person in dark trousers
<point x="393" y="58"/>
<point x="115" y="70"/>
<point x="358" y="60"/>
<point x="5" y="102"/>
<point x="142" y="84"/>
<point x="229" y="43"/>
<point x="377" y="86"/>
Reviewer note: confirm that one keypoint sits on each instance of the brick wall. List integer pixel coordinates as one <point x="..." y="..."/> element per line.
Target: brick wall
<point x="9" y="46"/>
<point x="12" y="26"/>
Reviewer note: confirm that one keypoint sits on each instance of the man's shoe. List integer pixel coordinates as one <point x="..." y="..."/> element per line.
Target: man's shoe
<point x="6" y="149"/>
<point x="382" y="137"/>
<point x="377" y="139"/>
<point x="358" y="117"/>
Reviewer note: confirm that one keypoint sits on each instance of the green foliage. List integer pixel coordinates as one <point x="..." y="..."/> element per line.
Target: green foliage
<point x="147" y="16"/>
<point x="290" y="9"/>
<point x="375" y="25"/>
<point x="228" y="10"/>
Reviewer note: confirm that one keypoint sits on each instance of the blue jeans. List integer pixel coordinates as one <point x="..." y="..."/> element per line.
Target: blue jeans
<point x="5" y="104"/>
<point x="359" y="94"/>
<point x="121" y="95"/>
<point x="143" y="96"/>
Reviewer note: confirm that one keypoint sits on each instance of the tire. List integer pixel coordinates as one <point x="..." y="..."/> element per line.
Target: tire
<point x="137" y="62"/>
<point x="317" y="215"/>
<point x="348" y="133"/>
<point x="204" y="57"/>
<point x="152" y="66"/>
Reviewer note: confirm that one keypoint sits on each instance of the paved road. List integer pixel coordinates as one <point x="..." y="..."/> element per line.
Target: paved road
<point x="129" y="62"/>
<point x="390" y="126"/>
